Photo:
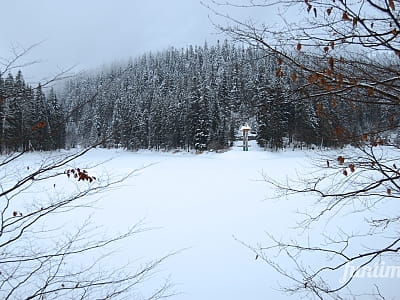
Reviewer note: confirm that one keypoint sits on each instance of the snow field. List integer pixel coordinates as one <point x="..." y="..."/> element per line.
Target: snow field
<point x="203" y="206"/>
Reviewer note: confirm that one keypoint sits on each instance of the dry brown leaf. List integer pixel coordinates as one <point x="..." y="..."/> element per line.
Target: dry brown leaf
<point x="391" y="4"/>
<point x="371" y="91"/>
<point x="346" y="17"/>
<point x="334" y="103"/>
<point x="279" y="72"/>
<point x="331" y="62"/>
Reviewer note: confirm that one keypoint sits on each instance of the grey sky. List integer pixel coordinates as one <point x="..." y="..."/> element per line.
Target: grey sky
<point x="89" y="33"/>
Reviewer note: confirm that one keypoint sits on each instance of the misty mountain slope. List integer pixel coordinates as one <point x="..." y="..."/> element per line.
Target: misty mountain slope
<point x="199" y="96"/>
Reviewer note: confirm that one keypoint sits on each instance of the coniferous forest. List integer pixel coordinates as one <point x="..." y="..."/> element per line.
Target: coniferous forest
<point x="30" y="120"/>
<point x="194" y="98"/>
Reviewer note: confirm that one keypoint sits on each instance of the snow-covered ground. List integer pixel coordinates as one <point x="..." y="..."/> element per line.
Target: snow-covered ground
<point x="203" y="204"/>
<point x="206" y="205"/>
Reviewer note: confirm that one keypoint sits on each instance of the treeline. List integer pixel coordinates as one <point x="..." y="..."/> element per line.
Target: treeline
<point x="193" y="98"/>
<point x="197" y="98"/>
<point x="29" y="120"/>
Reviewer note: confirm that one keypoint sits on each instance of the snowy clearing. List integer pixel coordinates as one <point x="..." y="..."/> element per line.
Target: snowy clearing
<point x="205" y="204"/>
<point x="201" y="203"/>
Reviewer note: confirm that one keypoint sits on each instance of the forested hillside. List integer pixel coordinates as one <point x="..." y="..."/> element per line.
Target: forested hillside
<point x="197" y="98"/>
<point x="193" y="98"/>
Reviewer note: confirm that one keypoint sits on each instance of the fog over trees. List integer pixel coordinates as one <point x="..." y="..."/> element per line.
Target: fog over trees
<point x="196" y="98"/>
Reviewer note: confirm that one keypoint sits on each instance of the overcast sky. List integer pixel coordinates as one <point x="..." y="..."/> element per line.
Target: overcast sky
<point x="89" y="33"/>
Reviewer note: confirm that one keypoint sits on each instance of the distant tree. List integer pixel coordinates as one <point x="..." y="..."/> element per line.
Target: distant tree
<point x="198" y="116"/>
<point x="273" y="116"/>
<point x="56" y="121"/>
